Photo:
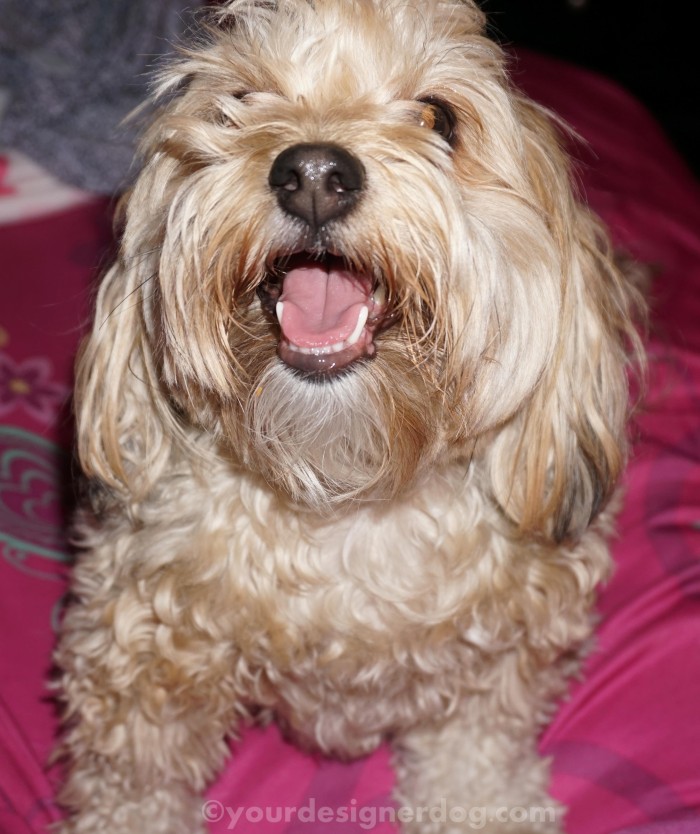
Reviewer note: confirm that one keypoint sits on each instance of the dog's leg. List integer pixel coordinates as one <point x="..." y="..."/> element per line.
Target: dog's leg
<point x="148" y="685"/>
<point x="479" y="769"/>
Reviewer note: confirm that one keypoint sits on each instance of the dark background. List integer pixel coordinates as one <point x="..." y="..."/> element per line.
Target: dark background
<point x="649" y="47"/>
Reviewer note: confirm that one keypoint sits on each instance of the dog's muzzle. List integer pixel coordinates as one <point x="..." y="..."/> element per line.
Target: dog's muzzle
<point x="328" y="308"/>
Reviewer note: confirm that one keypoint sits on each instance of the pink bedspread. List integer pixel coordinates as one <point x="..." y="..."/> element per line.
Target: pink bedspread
<point x="625" y="745"/>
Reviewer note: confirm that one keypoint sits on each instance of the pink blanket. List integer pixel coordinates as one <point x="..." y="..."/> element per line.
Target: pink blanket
<point x="625" y="745"/>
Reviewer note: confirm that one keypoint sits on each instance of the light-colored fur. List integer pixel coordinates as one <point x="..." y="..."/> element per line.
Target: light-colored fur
<point x="408" y="549"/>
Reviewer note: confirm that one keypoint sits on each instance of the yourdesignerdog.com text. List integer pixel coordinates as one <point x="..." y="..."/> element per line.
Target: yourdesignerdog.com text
<point x="368" y="817"/>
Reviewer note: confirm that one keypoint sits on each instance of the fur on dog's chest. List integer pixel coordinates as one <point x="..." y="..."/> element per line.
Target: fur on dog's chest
<point x="343" y="614"/>
<point x="371" y="591"/>
<point x="406" y="600"/>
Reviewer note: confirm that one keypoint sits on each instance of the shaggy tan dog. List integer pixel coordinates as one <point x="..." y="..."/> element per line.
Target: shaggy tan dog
<point x="352" y="411"/>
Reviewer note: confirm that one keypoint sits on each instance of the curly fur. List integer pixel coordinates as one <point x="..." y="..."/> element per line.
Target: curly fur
<point x="409" y="549"/>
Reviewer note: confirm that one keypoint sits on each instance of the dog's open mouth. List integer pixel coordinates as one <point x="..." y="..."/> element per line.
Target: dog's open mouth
<point x="328" y="311"/>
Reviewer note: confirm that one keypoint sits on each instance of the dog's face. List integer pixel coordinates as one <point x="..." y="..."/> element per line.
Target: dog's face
<point x="352" y="244"/>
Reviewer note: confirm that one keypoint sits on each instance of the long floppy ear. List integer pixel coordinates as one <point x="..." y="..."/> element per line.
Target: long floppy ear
<point x="553" y="468"/>
<point x="133" y="365"/>
<point x="120" y="417"/>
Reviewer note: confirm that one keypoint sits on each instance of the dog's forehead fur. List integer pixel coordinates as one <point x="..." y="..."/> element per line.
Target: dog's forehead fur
<point x="324" y="54"/>
<point x="306" y="48"/>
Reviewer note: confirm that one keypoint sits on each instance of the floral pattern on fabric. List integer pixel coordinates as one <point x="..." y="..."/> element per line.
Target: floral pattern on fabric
<point x="28" y="385"/>
<point x="31" y="511"/>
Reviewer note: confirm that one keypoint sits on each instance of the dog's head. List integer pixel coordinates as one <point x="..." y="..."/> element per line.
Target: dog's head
<point x="352" y="254"/>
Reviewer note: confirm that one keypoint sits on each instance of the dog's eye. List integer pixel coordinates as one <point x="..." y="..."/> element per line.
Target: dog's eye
<point x="223" y="119"/>
<point x="438" y="116"/>
<point x="223" y="115"/>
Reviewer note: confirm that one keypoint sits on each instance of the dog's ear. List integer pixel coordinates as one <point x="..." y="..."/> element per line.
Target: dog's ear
<point x="555" y="465"/>
<point x="121" y="419"/>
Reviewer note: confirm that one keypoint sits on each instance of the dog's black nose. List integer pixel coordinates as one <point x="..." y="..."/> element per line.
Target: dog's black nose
<point x="317" y="182"/>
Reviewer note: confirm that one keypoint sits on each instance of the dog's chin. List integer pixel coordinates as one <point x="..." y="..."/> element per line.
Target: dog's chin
<point x="330" y="438"/>
<point x="328" y="309"/>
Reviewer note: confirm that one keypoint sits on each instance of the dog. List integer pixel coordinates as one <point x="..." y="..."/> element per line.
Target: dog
<point x="351" y="415"/>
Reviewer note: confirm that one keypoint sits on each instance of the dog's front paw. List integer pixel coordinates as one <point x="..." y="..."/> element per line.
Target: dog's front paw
<point x="464" y="776"/>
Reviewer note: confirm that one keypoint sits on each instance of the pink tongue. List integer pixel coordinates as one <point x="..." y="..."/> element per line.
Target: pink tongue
<point x="322" y="306"/>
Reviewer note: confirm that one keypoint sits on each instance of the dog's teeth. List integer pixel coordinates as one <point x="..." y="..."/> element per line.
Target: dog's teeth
<point x="336" y="347"/>
<point x="314" y="351"/>
<point x="279" y="307"/>
<point x="361" y="321"/>
<point x="379" y="296"/>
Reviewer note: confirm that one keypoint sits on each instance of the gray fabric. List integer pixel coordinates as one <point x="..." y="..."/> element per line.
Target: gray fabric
<point x="73" y="70"/>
